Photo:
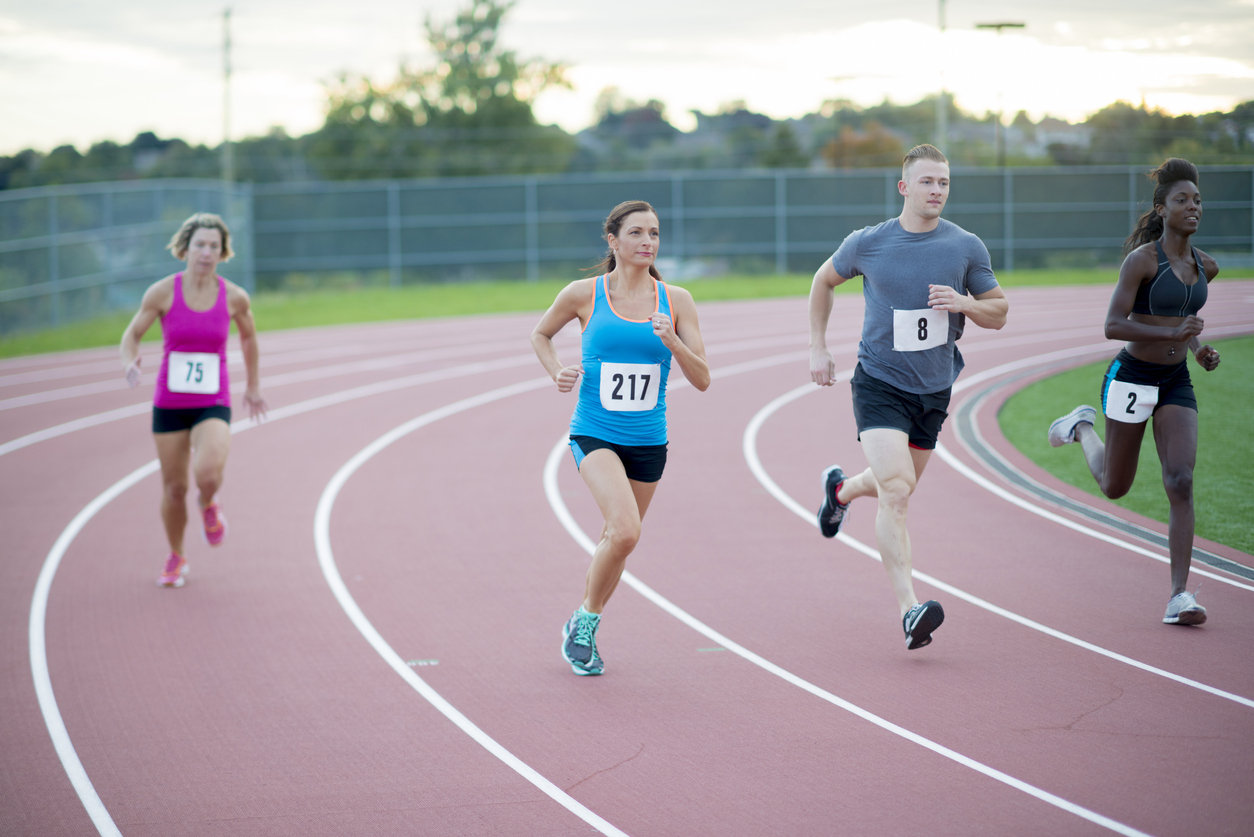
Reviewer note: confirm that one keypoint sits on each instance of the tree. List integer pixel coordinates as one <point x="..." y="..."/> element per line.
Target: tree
<point x="469" y="113"/>
<point x="871" y="148"/>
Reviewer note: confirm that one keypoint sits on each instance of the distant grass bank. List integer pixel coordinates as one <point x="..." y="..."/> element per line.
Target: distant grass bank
<point x="1223" y="482"/>
<point x="275" y="311"/>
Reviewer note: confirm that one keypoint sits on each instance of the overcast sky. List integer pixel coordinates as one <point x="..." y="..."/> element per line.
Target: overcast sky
<point x="78" y="72"/>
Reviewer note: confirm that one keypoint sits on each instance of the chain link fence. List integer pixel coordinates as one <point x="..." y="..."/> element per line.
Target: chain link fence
<point x="70" y="252"/>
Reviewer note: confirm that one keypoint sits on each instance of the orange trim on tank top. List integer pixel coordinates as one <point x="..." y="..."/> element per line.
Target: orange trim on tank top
<point x="657" y="303"/>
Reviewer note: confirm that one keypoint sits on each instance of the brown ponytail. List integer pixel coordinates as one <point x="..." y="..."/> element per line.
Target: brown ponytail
<point x="1149" y="227"/>
<point x="612" y="225"/>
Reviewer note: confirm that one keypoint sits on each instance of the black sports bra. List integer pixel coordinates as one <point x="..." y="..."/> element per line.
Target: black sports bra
<point x="1166" y="295"/>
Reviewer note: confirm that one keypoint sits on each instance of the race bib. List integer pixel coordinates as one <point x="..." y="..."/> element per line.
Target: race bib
<point x="193" y="372"/>
<point x="630" y="387"/>
<point x="922" y="328"/>
<point x="1130" y="403"/>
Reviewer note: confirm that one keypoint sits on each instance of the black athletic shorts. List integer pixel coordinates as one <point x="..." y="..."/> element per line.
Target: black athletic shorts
<point x="1173" y="382"/>
<point x="172" y="421"/>
<point x="878" y="404"/>
<point x="643" y="463"/>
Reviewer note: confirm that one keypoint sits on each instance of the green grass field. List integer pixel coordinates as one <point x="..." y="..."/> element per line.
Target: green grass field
<point x="332" y="307"/>
<point x="1223" y="481"/>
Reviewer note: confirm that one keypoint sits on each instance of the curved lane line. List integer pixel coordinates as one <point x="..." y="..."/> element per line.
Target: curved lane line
<point x="580" y="537"/>
<point x="38" y="650"/>
<point x="759" y="472"/>
<point x="326" y="560"/>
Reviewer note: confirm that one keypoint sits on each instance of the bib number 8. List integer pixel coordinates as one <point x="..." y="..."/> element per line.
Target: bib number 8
<point x="919" y="329"/>
<point x="630" y="387"/>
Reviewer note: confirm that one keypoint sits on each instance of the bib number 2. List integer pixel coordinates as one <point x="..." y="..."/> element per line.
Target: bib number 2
<point x="630" y="387"/>
<point x="1130" y="403"/>
<point x="919" y="329"/>
<point x="193" y="372"/>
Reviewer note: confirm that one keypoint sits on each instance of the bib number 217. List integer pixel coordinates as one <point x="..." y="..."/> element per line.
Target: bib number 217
<point x="630" y="387"/>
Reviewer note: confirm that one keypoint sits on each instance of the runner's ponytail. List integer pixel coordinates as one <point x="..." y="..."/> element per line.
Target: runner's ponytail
<point x="1149" y="227"/>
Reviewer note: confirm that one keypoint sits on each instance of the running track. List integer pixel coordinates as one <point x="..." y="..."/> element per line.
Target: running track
<point x="375" y="649"/>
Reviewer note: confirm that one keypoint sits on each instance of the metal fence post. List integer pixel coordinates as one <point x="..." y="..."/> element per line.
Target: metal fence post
<point x="54" y="261"/>
<point x="532" y="229"/>
<point x="1131" y="198"/>
<point x="1252" y="217"/>
<point x="250" y="250"/>
<point x="394" y="234"/>
<point x="890" y="195"/>
<point x="781" y="223"/>
<point x="677" y="209"/>
<point x="1008" y="220"/>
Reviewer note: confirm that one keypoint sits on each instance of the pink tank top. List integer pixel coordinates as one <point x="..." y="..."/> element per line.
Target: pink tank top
<point x="193" y="370"/>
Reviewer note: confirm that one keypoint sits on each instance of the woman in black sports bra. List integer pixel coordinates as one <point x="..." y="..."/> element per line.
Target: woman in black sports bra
<point x="1162" y="286"/>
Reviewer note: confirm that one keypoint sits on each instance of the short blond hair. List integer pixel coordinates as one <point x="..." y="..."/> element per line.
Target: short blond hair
<point x="921" y="152"/>
<point x="201" y="220"/>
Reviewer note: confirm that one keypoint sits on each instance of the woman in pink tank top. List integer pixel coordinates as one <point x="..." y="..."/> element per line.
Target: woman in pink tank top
<point x="191" y="415"/>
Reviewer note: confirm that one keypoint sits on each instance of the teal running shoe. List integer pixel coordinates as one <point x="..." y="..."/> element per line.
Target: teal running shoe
<point x="579" y="643"/>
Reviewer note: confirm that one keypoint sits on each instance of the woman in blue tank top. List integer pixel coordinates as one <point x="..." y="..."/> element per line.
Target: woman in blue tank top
<point x="1161" y="289"/>
<point x="633" y="325"/>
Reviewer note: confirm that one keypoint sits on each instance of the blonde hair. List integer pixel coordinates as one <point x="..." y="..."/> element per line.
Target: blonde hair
<point x="921" y="152"/>
<point x="201" y="220"/>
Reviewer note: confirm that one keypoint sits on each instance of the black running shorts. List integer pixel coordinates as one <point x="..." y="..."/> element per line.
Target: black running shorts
<point x="878" y="404"/>
<point x="171" y="421"/>
<point x="643" y="463"/>
<point x="1173" y="382"/>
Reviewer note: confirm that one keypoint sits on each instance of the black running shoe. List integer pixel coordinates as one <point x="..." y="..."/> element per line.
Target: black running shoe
<point x="832" y="512"/>
<point x="919" y="623"/>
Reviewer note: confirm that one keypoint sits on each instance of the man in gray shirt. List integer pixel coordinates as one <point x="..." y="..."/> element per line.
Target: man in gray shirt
<point x="922" y="278"/>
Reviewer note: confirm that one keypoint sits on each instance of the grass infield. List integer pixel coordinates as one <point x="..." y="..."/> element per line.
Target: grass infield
<point x="1223" y="480"/>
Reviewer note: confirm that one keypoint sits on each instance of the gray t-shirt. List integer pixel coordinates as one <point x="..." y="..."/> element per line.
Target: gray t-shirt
<point x="901" y="337"/>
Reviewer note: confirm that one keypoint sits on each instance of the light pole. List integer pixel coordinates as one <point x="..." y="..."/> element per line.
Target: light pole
<point x="228" y="159"/>
<point x="942" y="102"/>
<point x="999" y="142"/>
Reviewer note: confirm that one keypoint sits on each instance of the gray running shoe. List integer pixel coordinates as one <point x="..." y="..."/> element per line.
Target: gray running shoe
<point x="579" y="643"/>
<point x="832" y="512"/>
<point x="1183" y="609"/>
<point x="1062" y="431"/>
<point x="919" y="623"/>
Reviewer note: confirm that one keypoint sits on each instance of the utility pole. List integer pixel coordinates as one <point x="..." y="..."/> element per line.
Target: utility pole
<point x="228" y="158"/>
<point x="999" y="140"/>
<point x="942" y="102"/>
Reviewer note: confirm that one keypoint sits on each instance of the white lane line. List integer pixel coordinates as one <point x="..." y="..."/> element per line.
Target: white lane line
<point x="553" y="494"/>
<point x="303" y="406"/>
<point x="45" y="695"/>
<point x="312" y="374"/>
<point x="271" y="381"/>
<point x="759" y="472"/>
<point x="326" y="560"/>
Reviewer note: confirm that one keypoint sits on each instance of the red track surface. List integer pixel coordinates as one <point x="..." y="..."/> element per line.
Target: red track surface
<point x="248" y="702"/>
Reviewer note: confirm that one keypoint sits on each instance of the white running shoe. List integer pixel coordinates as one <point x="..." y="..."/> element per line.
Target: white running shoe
<point x="1062" y="431"/>
<point x="1183" y="609"/>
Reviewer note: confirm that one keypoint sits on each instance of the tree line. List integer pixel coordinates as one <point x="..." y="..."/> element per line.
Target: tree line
<point x="470" y="112"/>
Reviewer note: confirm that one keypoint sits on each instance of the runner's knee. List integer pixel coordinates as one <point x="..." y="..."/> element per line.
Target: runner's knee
<point x="1179" y="484"/>
<point x="895" y="493"/>
<point x="623" y="535"/>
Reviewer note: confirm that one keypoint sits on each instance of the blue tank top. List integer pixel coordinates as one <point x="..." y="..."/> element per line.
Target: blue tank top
<point x="622" y="397"/>
<point x="1166" y="295"/>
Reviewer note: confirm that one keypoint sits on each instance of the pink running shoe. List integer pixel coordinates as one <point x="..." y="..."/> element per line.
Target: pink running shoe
<point x="175" y="572"/>
<point x="215" y="525"/>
